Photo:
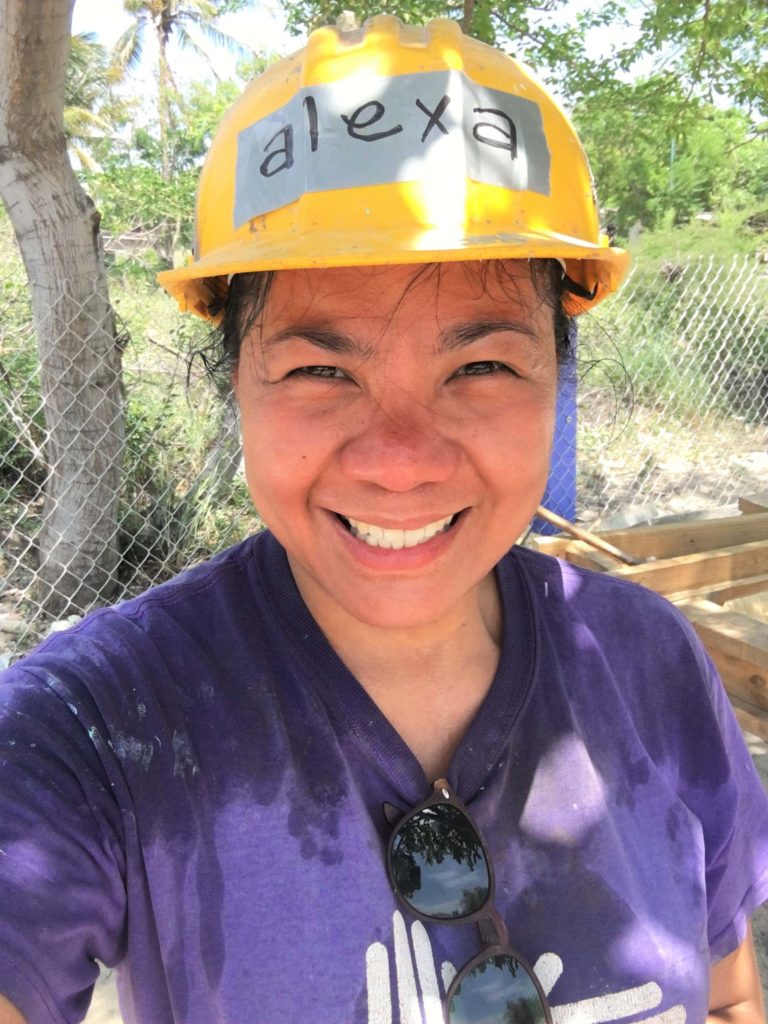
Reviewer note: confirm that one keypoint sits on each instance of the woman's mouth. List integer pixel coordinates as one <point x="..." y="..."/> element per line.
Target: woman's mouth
<point x="379" y="537"/>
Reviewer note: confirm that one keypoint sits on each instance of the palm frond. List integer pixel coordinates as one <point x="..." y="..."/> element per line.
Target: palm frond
<point x="86" y="160"/>
<point x="188" y="42"/>
<point x="215" y="35"/>
<point x="198" y="10"/>
<point x="129" y="48"/>
<point x="80" y="123"/>
<point x="82" y="48"/>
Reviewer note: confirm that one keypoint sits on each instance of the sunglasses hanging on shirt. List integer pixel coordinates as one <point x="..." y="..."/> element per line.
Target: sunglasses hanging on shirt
<point x="441" y="871"/>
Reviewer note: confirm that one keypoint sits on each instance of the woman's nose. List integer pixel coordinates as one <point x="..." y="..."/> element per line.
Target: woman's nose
<point x="400" y="448"/>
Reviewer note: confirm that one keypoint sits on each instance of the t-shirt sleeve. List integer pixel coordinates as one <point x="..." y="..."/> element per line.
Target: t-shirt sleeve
<point x="721" y="785"/>
<point x="62" y="864"/>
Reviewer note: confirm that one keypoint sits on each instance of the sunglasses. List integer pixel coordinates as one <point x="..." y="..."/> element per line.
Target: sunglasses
<point x="440" y="869"/>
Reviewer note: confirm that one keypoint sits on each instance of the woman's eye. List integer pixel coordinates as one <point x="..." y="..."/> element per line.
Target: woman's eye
<point x="483" y="367"/>
<point x="325" y="372"/>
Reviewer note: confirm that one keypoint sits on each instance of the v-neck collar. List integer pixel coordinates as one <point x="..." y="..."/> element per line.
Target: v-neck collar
<point x="350" y="706"/>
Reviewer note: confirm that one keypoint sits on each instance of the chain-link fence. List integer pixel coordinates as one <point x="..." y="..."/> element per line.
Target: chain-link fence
<point x="673" y="391"/>
<point x="672" y="402"/>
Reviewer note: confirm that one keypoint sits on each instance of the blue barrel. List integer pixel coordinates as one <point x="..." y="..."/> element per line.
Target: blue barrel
<point x="560" y="495"/>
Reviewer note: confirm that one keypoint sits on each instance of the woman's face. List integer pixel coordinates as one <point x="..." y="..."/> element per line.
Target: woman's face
<point x="397" y="424"/>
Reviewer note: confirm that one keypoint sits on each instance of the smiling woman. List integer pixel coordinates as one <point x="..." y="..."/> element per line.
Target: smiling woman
<point x="270" y="789"/>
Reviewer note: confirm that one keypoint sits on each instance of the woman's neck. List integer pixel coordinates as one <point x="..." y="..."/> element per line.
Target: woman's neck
<point x="429" y="681"/>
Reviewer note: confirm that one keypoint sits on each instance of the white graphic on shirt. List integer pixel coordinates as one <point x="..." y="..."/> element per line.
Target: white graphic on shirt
<point x="419" y="994"/>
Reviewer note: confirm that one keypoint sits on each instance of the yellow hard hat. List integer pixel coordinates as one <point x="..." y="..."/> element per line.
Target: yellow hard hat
<point x="394" y="144"/>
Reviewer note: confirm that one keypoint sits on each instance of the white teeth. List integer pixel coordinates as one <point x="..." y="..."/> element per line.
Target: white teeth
<point x="378" y="537"/>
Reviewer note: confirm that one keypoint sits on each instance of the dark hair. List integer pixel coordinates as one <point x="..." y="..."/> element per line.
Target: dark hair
<point x="242" y="304"/>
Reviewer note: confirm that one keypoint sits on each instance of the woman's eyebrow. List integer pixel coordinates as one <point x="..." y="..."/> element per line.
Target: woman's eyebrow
<point x="324" y="338"/>
<point x="460" y="335"/>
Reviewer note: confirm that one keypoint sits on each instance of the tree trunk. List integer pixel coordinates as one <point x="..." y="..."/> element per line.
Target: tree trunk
<point x="57" y="228"/>
<point x="467" y="16"/>
<point x="164" y="106"/>
<point x="164" y="116"/>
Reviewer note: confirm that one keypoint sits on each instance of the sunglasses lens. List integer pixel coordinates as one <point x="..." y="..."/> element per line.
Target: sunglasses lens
<point x="439" y="865"/>
<point x="498" y="990"/>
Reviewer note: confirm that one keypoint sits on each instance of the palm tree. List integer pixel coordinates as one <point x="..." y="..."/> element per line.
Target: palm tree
<point x="182" y="20"/>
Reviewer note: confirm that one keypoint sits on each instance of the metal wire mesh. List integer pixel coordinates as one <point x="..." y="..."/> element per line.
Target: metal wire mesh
<point x="672" y="407"/>
<point x="673" y="392"/>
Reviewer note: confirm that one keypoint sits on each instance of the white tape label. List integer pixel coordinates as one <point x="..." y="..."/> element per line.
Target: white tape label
<point x="373" y="131"/>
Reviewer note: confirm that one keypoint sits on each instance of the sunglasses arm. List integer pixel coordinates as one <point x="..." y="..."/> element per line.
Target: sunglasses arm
<point x="493" y="931"/>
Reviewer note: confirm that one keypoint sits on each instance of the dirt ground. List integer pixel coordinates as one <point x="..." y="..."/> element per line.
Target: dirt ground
<point x="104" y="1008"/>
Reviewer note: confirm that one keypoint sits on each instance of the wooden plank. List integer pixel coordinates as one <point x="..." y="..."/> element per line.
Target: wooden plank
<point x="738" y="636"/>
<point x="755" y="605"/>
<point x="742" y="679"/>
<point x="750" y="718"/>
<point x="738" y="646"/>
<point x="579" y="552"/>
<point x="555" y="545"/>
<point x="575" y="551"/>
<point x="752" y="503"/>
<point x="722" y="592"/>
<point x="690" y="572"/>
<point x="670" y="540"/>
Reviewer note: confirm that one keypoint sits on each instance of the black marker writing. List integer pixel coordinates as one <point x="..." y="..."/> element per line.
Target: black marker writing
<point x="285" y="151"/>
<point x="434" y="116"/>
<point x="354" y="123"/>
<point x="508" y="139"/>
<point x="314" y="135"/>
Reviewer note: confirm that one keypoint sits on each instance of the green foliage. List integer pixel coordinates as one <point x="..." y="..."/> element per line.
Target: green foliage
<point x="134" y="195"/>
<point x="716" y="47"/>
<point x="655" y="155"/>
<point x="131" y="192"/>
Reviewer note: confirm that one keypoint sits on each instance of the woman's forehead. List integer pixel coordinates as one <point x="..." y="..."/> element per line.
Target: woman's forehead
<point x="398" y="291"/>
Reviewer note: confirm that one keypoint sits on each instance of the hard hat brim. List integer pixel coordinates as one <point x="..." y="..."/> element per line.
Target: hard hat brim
<point x="596" y="269"/>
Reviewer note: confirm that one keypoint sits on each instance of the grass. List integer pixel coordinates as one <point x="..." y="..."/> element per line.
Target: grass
<point x="722" y="238"/>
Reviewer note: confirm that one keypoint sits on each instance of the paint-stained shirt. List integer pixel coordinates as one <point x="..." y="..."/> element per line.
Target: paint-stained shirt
<point x="192" y="784"/>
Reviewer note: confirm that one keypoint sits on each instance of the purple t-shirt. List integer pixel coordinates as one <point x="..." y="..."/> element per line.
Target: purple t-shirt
<point x="191" y="790"/>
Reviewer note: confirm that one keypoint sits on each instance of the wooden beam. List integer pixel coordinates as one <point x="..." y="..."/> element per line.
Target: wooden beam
<point x="750" y="718"/>
<point x="755" y="605"/>
<point x="741" y="678"/>
<point x="670" y="540"/>
<point x="579" y="552"/>
<point x="738" y="646"/>
<point x="732" y="633"/>
<point x="722" y="592"/>
<point x="752" y="503"/>
<point x="698" y="571"/>
<point x="555" y="545"/>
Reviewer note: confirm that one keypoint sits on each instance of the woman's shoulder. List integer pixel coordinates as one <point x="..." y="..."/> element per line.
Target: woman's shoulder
<point x="581" y="609"/>
<point x="198" y="613"/>
<point x="581" y="589"/>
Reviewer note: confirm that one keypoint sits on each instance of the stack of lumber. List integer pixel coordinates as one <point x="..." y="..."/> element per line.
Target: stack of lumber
<point x="702" y="565"/>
